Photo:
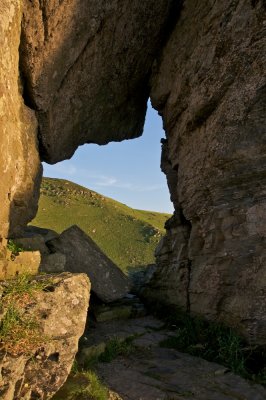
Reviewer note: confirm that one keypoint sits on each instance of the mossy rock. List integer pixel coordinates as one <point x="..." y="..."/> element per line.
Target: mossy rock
<point x="82" y="386"/>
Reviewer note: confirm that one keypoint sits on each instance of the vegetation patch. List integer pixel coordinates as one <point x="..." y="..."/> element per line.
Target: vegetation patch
<point x="127" y="236"/>
<point x="83" y="385"/>
<point x="19" y="329"/>
<point x="117" y="347"/>
<point x="83" y="382"/>
<point x="217" y="343"/>
<point x="14" y="248"/>
<point x="114" y="348"/>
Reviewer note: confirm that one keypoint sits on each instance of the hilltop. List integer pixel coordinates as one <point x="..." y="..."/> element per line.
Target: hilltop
<point x="126" y="235"/>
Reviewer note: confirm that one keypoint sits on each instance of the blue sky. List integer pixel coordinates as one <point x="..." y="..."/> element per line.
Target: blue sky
<point x="128" y="171"/>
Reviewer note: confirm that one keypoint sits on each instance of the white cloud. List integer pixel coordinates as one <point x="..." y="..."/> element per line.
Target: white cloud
<point x="112" y="182"/>
<point x="105" y="181"/>
<point x="67" y="170"/>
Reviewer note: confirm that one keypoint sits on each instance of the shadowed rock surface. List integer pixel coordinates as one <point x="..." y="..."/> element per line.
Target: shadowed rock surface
<point x="86" y="66"/>
<point x="166" y="374"/>
<point x="87" y="70"/>
<point x="209" y="88"/>
<point x="152" y="372"/>
<point x="60" y="312"/>
<point x="83" y="255"/>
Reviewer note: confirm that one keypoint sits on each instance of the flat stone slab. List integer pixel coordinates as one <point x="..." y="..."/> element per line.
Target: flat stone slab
<point x="166" y="374"/>
<point x="155" y="373"/>
<point x="105" y="331"/>
<point x="95" y="338"/>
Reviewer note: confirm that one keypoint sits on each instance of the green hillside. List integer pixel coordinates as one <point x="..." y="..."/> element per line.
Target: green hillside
<point x="127" y="236"/>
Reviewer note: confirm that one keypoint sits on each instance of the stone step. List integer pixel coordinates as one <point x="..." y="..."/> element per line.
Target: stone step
<point x="96" y="337"/>
<point x="129" y="306"/>
<point x="166" y="374"/>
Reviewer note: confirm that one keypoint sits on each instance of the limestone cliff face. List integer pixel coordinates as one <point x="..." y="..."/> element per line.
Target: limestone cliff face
<point x="210" y="88"/>
<point x="86" y="66"/>
<point x="20" y="169"/>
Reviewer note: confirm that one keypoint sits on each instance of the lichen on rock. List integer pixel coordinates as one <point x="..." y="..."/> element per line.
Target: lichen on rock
<point x="37" y="353"/>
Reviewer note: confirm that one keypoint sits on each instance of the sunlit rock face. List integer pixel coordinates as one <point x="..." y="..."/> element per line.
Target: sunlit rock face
<point x="86" y="66"/>
<point x="20" y="169"/>
<point x="210" y="88"/>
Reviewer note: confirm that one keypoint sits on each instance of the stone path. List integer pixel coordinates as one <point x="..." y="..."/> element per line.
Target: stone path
<point x="155" y="373"/>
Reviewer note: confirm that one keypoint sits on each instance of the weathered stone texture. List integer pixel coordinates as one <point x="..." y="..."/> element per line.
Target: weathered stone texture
<point x="27" y="262"/>
<point x="20" y="169"/>
<point x="87" y="69"/>
<point x="86" y="65"/>
<point x="29" y="254"/>
<point x="61" y="313"/>
<point x="210" y="87"/>
<point x="82" y="254"/>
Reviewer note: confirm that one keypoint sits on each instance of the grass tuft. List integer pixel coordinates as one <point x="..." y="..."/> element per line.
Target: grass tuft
<point x="24" y="284"/>
<point x="19" y="330"/>
<point x="217" y="343"/>
<point x="116" y="347"/>
<point x="95" y="389"/>
<point x="84" y="385"/>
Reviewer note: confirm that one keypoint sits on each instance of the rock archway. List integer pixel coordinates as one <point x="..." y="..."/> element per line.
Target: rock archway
<point x="87" y="69"/>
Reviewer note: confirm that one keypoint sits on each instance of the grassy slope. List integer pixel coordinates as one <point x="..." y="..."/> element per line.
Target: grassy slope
<point x="127" y="236"/>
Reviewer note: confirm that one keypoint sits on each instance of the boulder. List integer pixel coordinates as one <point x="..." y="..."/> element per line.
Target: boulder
<point x="29" y="262"/>
<point x="36" y="254"/>
<point x="53" y="263"/>
<point x="29" y="254"/>
<point x="83" y="255"/>
<point x="37" y="369"/>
